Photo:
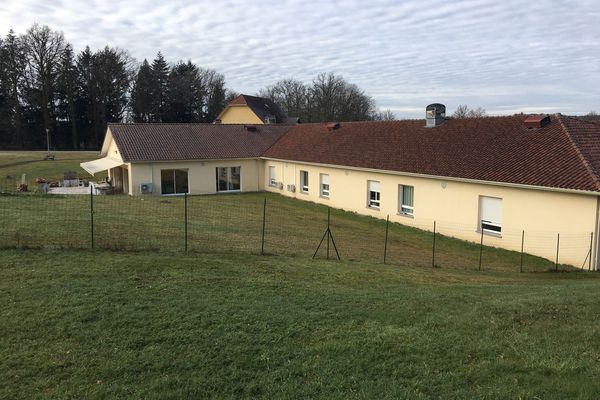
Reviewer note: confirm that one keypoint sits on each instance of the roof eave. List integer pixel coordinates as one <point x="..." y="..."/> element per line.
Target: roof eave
<point x="445" y="178"/>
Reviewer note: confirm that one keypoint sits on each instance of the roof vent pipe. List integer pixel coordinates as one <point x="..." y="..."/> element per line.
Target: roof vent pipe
<point x="435" y="115"/>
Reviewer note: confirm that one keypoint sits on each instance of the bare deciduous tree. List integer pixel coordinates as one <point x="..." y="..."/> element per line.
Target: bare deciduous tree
<point x="463" y="111"/>
<point x="43" y="48"/>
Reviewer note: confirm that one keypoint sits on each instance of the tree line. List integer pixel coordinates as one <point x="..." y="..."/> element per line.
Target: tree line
<point x="47" y="90"/>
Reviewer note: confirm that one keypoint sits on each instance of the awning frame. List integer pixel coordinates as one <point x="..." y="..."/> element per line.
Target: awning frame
<point x="102" y="164"/>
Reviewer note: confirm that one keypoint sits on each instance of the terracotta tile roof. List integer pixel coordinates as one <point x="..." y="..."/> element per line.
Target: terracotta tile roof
<point x="565" y="153"/>
<point x="262" y="107"/>
<point x="163" y="142"/>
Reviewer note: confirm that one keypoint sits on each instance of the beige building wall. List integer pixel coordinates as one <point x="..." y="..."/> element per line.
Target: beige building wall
<point x="201" y="174"/>
<point x="454" y="205"/>
<point x="240" y="115"/>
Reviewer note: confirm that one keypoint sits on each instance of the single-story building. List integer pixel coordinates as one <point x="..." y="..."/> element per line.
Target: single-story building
<point x="170" y="159"/>
<point x="505" y="177"/>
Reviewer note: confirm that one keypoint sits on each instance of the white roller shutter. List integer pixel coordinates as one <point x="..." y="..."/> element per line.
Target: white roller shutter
<point x="490" y="211"/>
<point x="374" y="186"/>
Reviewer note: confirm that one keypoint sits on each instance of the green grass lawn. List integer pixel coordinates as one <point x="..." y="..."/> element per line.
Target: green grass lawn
<point x="102" y="324"/>
<point x="31" y="163"/>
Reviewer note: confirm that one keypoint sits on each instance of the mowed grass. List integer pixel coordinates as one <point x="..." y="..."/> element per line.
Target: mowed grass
<point x="103" y="324"/>
<point x="228" y="224"/>
<point x="31" y="163"/>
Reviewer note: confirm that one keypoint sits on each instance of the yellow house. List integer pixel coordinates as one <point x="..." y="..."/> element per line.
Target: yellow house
<point x="510" y="181"/>
<point x="246" y="109"/>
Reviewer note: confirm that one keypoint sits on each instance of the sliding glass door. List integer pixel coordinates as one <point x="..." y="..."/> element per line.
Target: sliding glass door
<point x="229" y="179"/>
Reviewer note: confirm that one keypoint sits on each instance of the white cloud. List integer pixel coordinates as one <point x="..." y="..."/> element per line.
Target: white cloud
<point x="503" y="56"/>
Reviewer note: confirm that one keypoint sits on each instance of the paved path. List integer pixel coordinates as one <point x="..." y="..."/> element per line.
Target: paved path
<point x="69" y="190"/>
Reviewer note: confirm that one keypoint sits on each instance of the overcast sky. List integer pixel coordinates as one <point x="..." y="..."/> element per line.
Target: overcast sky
<point x="505" y="56"/>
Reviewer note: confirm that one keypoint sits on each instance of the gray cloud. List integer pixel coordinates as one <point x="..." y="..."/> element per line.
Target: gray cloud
<point x="507" y="56"/>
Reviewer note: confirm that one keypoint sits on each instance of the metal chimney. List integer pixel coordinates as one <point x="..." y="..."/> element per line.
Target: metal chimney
<point x="435" y="115"/>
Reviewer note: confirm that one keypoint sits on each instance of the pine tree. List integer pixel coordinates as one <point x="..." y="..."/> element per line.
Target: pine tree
<point x="183" y="94"/>
<point x="86" y="100"/>
<point x="67" y="94"/>
<point x="160" y="74"/>
<point x="14" y="63"/>
<point x="141" y="94"/>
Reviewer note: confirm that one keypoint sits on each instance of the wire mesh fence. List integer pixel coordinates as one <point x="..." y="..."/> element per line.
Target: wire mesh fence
<point x="259" y="223"/>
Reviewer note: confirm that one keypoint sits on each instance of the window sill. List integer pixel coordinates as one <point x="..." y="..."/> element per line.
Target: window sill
<point x="405" y="215"/>
<point x="374" y="208"/>
<point x="229" y="191"/>
<point x="303" y="192"/>
<point x="324" y="197"/>
<point x="487" y="233"/>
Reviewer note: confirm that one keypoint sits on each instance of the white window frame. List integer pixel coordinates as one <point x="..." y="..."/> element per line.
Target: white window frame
<point x="490" y="226"/>
<point x="325" y="192"/>
<point x="304" y="181"/>
<point x="272" y="176"/>
<point x="406" y="209"/>
<point x="374" y="194"/>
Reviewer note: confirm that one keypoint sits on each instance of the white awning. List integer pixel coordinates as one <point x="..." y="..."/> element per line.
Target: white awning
<point x="102" y="164"/>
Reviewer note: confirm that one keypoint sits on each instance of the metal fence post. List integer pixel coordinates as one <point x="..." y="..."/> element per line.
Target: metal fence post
<point x="185" y="223"/>
<point x="264" y="222"/>
<point x="591" y="249"/>
<point x="522" y="247"/>
<point x="557" y="249"/>
<point x="480" y="249"/>
<point x="92" y="215"/>
<point x="387" y="224"/>
<point x="433" y="250"/>
<point x="328" y="230"/>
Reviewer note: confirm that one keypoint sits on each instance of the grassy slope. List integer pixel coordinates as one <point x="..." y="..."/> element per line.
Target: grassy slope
<point x="31" y="163"/>
<point x="94" y="324"/>
<point x="233" y="224"/>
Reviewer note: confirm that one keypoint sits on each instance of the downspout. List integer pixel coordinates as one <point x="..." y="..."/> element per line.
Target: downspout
<point x="595" y="259"/>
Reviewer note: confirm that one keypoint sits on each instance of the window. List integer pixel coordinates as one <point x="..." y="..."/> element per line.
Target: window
<point x="407" y="199"/>
<point x="325" y="185"/>
<point x="228" y="179"/>
<point x="304" y="181"/>
<point x="490" y="214"/>
<point x="374" y="194"/>
<point x="173" y="181"/>
<point x="272" y="177"/>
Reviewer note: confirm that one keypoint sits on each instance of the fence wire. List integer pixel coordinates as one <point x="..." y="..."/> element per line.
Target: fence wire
<point x="259" y="223"/>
